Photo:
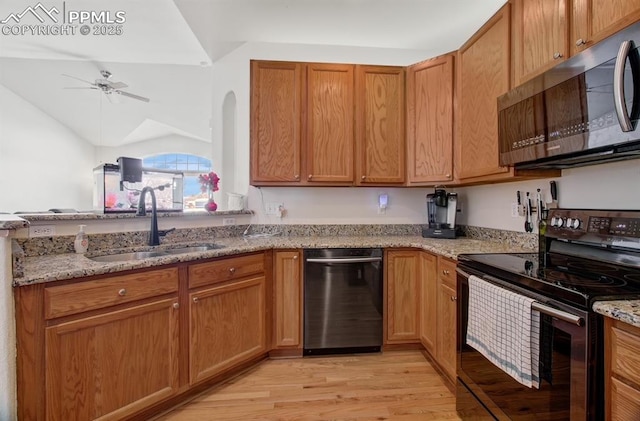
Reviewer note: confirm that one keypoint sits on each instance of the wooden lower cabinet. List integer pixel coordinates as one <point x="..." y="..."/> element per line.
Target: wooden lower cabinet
<point x="402" y="296"/>
<point x="287" y="299"/>
<point x="227" y="326"/>
<point x="622" y="371"/>
<point x="114" y="364"/>
<point x="438" y="311"/>
<point x="429" y="301"/>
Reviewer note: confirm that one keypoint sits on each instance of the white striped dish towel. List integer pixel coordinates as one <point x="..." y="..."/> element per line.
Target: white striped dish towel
<point x="503" y="327"/>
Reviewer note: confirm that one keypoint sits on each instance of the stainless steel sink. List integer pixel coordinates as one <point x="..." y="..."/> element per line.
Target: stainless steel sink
<point x="193" y="249"/>
<point x="122" y="257"/>
<point x="140" y="255"/>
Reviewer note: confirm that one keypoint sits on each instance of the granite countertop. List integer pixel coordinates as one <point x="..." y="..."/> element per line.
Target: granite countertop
<point x="39" y="269"/>
<point x="627" y="311"/>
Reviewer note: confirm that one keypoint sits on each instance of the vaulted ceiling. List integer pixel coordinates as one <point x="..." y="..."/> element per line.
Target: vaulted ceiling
<point x="167" y="49"/>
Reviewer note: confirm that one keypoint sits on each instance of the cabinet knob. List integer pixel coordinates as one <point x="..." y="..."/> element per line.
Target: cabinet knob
<point x="176" y="306"/>
<point x="309" y="177"/>
<point x="445" y="272"/>
<point x="557" y="56"/>
<point x="363" y="177"/>
<point x="580" y="42"/>
<point x="297" y="176"/>
<point x="232" y="270"/>
<point x="195" y="299"/>
<point x="295" y="257"/>
<point x="448" y="176"/>
<point x="122" y="292"/>
<point x="453" y="298"/>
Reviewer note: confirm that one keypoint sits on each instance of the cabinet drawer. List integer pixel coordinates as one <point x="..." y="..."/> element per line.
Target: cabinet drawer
<point x="447" y="271"/>
<point x="75" y="298"/>
<point x="625" y="358"/>
<point x="224" y="270"/>
<point x="625" y="402"/>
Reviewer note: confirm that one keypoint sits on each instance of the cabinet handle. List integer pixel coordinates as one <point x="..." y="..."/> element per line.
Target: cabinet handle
<point x="363" y="177"/>
<point x="557" y="56"/>
<point x="295" y="257"/>
<point x="445" y="272"/>
<point x="448" y="176"/>
<point x="454" y="298"/>
<point x="309" y="177"/>
<point x="122" y="292"/>
<point x="580" y="42"/>
<point x="176" y="306"/>
<point x="232" y="270"/>
<point x="297" y="176"/>
<point x="195" y="299"/>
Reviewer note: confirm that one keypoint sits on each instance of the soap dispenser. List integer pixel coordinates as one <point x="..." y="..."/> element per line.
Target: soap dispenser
<point x="81" y="244"/>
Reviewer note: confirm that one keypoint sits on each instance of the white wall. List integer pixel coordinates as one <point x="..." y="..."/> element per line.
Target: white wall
<point x="58" y="170"/>
<point x="606" y="186"/>
<point x="8" y="392"/>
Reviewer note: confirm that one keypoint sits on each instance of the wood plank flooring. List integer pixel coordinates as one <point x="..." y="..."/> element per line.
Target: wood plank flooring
<point x="398" y="385"/>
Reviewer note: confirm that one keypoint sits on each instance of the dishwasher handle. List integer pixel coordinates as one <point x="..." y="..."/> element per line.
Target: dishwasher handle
<point x="356" y="259"/>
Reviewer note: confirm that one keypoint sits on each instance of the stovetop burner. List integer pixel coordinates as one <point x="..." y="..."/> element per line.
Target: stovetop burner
<point x="570" y="279"/>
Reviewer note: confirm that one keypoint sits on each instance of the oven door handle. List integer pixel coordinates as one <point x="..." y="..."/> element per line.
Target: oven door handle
<point x="345" y="260"/>
<point x="553" y="312"/>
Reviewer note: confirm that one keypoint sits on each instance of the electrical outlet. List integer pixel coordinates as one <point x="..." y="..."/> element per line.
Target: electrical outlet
<point x="514" y="210"/>
<point x="228" y="221"/>
<point x="42" y="231"/>
<point x="273" y="208"/>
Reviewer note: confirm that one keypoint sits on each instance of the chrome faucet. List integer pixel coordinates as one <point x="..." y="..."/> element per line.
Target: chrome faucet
<point x="154" y="233"/>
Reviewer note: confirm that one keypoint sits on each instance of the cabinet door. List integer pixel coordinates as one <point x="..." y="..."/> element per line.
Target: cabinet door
<point x="430" y="121"/>
<point x="330" y="135"/>
<point x="482" y="76"/>
<point x="429" y="301"/>
<point x="227" y="326"/>
<point x="403" y="296"/>
<point x="539" y="36"/>
<point x="287" y="289"/>
<point x="111" y="365"/>
<point x="595" y="20"/>
<point x="446" y="352"/>
<point x="276" y="100"/>
<point x="380" y="101"/>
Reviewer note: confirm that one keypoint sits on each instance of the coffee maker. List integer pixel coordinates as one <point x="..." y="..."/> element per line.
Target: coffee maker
<point x="441" y="211"/>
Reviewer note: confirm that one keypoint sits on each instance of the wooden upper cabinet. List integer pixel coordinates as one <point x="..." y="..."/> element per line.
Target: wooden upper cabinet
<point x="539" y="36"/>
<point x="380" y="103"/>
<point x="276" y="115"/>
<point x="595" y="20"/>
<point x="482" y="76"/>
<point x="430" y="121"/>
<point x="330" y="134"/>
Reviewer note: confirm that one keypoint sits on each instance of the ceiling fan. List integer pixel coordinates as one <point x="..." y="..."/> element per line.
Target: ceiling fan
<point x="109" y="88"/>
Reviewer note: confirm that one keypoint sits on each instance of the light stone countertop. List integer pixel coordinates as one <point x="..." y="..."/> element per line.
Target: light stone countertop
<point x="627" y="311"/>
<point x="57" y="267"/>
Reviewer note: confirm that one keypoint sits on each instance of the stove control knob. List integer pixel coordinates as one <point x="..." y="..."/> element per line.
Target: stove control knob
<point x="554" y="221"/>
<point x="575" y="224"/>
<point x="569" y="223"/>
<point x="559" y="222"/>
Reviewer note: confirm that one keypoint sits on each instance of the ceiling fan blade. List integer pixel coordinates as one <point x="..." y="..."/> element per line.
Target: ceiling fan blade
<point x="117" y="85"/>
<point x="77" y="78"/>
<point x="138" y="97"/>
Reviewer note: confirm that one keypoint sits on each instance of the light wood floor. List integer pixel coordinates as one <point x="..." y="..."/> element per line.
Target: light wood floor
<point x="400" y="385"/>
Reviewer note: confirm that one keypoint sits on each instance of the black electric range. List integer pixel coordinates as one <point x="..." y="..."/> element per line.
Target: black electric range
<point x="585" y="256"/>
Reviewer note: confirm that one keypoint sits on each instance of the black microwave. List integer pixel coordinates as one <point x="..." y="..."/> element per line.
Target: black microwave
<point x="583" y="111"/>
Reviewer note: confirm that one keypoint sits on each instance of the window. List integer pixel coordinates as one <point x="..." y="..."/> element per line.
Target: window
<point x="192" y="166"/>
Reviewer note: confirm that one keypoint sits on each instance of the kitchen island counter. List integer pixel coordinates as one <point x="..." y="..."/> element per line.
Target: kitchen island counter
<point x="627" y="311"/>
<point x="56" y="267"/>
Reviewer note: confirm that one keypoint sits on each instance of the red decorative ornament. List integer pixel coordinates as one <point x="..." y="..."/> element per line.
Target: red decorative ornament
<point x="211" y="206"/>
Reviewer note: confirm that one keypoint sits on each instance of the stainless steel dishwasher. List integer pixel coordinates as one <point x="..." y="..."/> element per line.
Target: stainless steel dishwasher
<point x="342" y="301"/>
